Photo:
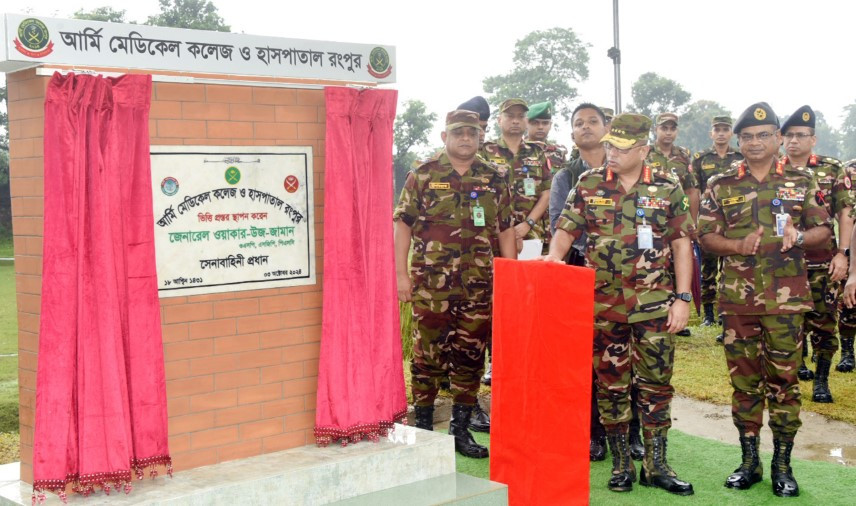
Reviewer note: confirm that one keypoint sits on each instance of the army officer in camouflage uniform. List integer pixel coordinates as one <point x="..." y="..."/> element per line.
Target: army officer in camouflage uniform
<point x="760" y="216"/>
<point x="638" y="225"/>
<point x="451" y="209"/>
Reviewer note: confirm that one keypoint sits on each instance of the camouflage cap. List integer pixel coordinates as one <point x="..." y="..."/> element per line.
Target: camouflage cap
<point x="756" y="114"/>
<point x="628" y="129"/>
<point x="541" y="110"/>
<point x="720" y="120"/>
<point x="804" y="116"/>
<point x="477" y="104"/>
<point x="461" y="118"/>
<point x="666" y="117"/>
<point x="511" y="102"/>
<point x="609" y="113"/>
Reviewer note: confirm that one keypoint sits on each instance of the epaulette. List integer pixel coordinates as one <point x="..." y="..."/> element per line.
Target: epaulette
<point x="593" y="171"/>
<point x="535" y="144"/>
<point x="806" y="171"/>
<point x="831" y="161"/>
<point x="542" y="144"/>
<point x="731" y="171"/>
<point x="850" y="163"/>
<point x="668" y="176"/>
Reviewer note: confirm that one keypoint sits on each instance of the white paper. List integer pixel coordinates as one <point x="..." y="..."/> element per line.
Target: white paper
<point x="531" y="249"/>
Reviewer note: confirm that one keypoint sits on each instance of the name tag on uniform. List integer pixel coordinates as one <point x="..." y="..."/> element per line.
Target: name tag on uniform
<point x="645" y="237"/>
<point x="439" y="186"/>
<point x="600" y="201"/>
<point x="733" y="200"/>
<point x="652" y="203"/>
<point x="790" y="194"/>
<point x="529" y="187"/>
<point x="708" y="166"/>
<point x="478" y="216"/>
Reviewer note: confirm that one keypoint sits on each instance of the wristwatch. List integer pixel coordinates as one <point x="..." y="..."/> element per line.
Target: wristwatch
<point x="531" y="222"/>
<point x="684" y="296"/>
<point x="800" y="239"/>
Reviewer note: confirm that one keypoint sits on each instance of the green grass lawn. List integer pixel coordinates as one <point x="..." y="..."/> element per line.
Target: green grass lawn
<point x="6" y="248"/>
<point x="706" y="463"/>
<point x="8" y="364"/>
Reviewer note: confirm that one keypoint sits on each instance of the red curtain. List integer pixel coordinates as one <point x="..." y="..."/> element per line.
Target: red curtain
<point x="541" y="391"/>
<point x="360" y="377"/>
<point x="100" y="390"/>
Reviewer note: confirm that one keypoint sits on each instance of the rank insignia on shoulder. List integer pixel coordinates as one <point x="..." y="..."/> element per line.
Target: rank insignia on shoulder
<point x="439" y="186"/>
<point x="733" y="200"/>
<point x="697" y="155"/>
<point x="599" y="201"/>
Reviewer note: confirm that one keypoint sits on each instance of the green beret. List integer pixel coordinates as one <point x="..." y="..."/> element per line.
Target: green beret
<point x="804" y="116"/>
<point x="541" y="110"/>
<point x="756" y="114"/>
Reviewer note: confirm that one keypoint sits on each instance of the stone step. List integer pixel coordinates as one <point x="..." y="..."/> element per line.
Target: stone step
<point x="455" y="488"/>
<point x="306" y="475"/>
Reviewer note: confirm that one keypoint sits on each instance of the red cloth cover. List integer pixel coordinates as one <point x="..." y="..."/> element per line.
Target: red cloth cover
<point x="542" y="345"/>
<point x="360" y="377"/>
<point x="100" y="388"/>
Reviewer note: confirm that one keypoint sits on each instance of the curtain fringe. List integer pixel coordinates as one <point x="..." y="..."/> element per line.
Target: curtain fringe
<point x="86" y="484"/>
<point x="354" y="434"/>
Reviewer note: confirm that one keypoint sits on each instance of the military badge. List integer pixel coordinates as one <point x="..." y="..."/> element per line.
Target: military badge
<point x="790" y="194"/>
<point x="379" y="63"/>
<point x="439" y="186"/>
<point x="652" y="203"/>
<point x="685" y="203"/>
<point x="733" y="200"/>
<point x="760" y="114"/>
<point x="806" y="116"/>
<point x="598" y="201"/>
<point x="847" y="182"/>
<point x="34" y="40"/>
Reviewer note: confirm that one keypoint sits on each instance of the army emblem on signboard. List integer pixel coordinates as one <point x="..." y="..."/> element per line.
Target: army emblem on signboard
<point x="169" y="186"/>
<point x="233" y="175"/>
<point x="379" y="64"/>
<point x="33" y="40"/>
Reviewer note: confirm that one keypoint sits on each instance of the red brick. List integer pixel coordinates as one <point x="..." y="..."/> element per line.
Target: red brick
<point x="28" y="341"/>
<point x="215" y="364"/>
<point x="214" y="400"/>
<point x="190" y="386"/>
<point x="296" y="114"/>
<point x="302" y="318"/>
<point x="204" y="110"/>
<point x="178" y="406"/>
<point x="278" y="96"/>
<point x="180" y="92"/>
<point x="28" y="265"/>
<point x="299" y="421"/>
<point x="26" y="187"/>
<point x="29" y="303"/>
<point x="312" y="334"/>
<point x="32" y="245"/>
<point x="28" y="225"/>
<point x="27" y="379"/>
<point x="177" y="369"/>
<point x="166" y="142"/>
<point x="165" y="109"/>
<point x="188" y="313"/>
<point x="28" y="322"/>
<point x="178" y="444"/>
<point x="312" y="299"/>
<point x="167" y="300"/>
<point x="191" y="423"/>
<point x="213" y="328"/>
<point x="240" y="414"/>
<point x="190" y="460"/>
<point x="180" y="128"/>
<point x="280" y="303"/>
<point x="309" y="401"/>
<point x="310" y="368"/>
<point x="188" y="349"/>
<point x="258" y="323"/>
<point x="27" y="167"/>
<point x="258" y="358"/>
<point x="283" y="441"/>
<point x="231" y="94"/>
<point x="282" y="372"/>
<point x="310" y="97"/>
<point x="234" y="379"/>
<point x="240" y="450"/>
<point x="26" y="109"/>
<point x="213" y="437"/>
<point x="260" y="393"/>
<point x="275" y="131"/>
<point x="25" y="417"/>
<point x="26" y="128"/>
<point x="299" y="387"/>
<point x="212" y="297"/>
<point x="301" y="352"/>
<point x="282" y="407"/>
<point x="310" y="130"/>
<point x="261" y="428"/>
<point x="28" y="360"/>
<point x="276" y="338"/>
<point x="230" y="130"/>
<point x="175" y="332"/>
<point x="233" y="344"/>
<point x="230" y="308"/>
<point x="246" y="112"/>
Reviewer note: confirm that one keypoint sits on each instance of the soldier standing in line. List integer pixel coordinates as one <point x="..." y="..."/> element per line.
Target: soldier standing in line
<point x="706" y="164"/>
<point x="525" y="167"/>
<point x="760" y="216"/>
<point x="540" y="118"/>
<point x="847" y="315"/>
<point x="828" y="265"/>
<point x="451" y="209"/>
<point x="638" y="228"/>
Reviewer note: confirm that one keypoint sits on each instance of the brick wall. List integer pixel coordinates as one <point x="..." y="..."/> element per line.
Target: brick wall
<point x="241" y="367"/>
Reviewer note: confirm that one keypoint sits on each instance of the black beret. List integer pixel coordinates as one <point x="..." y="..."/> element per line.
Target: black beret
<point x="477" y="104"/>
<point x="803" y="116"/>
<point x="756" y="114"/>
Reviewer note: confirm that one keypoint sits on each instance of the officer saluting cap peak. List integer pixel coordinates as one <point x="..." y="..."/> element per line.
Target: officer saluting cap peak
<point x="804" y="116"/>
<point x="477" y="104"/>
<point x="626" y="130"/>
<point x="756" y="114"/>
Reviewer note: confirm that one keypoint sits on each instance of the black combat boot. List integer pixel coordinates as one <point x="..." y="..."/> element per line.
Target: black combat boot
<point x="480" y="422"/>
<point x="750" y="471"/>
<point x="464" y="442"/>
<point x="847" y="362"/>
<point x="637" y="449"/>
<point x="709" y="320"/>
<point x="656" y="471"/>
<point x="720" y="339"/>
<point x="597" y="448"/>
<point x="623" y="470"/>
<point x="424" y="417"/>
<point x="804" y="373"/>
<point x="784" y="484"/>
<point x="684" y="333"/>
<point x="487" y="373"/>
<point x="821" y="381"/>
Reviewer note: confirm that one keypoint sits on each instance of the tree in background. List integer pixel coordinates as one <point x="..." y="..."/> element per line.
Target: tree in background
<point x="848" y="133"/>
<point x="546" y="65"/>
<point x="653" y="94"/>
<point x="828" y="139"/>
<point x="107" y="14"/>
<point x="694" y="124"/>
<point x="410" y="131"/>
<point x="196" y="14"/>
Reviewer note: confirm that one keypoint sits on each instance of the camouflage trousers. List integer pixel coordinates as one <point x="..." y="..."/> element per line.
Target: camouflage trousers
<point x="642" y="353"/>
<point x="846" y="321"/>
<point x="709" y="271"/>
<point x="763" y="354"/>
<point x="449" y="338"/>
<point x="820" y="323"/>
